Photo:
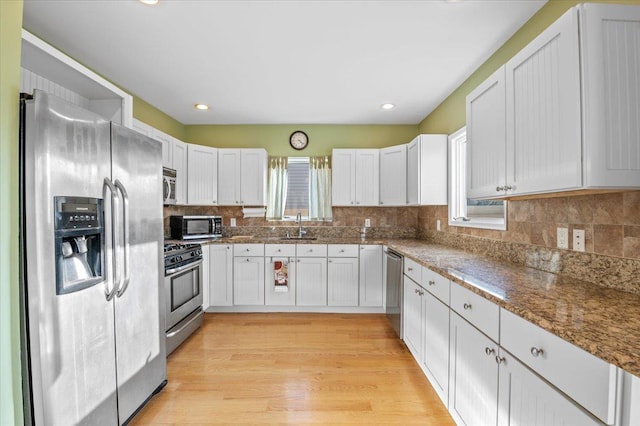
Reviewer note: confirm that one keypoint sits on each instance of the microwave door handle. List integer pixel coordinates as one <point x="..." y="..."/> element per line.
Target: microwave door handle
<point x="110" y="293"/>
<point x="125" y="242"/>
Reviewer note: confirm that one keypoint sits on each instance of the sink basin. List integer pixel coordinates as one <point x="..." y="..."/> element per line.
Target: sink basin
<point x="299" y="238"/>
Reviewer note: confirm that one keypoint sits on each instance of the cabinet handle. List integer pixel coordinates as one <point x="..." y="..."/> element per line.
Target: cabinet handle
<point x="248" y="250"/>
<point x="500" y="359"/>
<point x="467" y="306"/>
<point x="214" y="201"/>
<point x="241" y="202"/>
<point x="330" y="261"/>
<point x="352" y="202"/>
<point x="489" y="350"/>
<point x="500" y="188"/>
<point x="278" y="250"/>
<point x="508" y="187"/>
<point x="342" y="251"/>
<point x="298" y="260"/>
<point x="409" y="269"/>
<point x="248" y="260"/>
<point x="228" y="248"/>
<point x="536" y="352"/>
<point x="432" y="282"/>
<point x="381" y="203"/>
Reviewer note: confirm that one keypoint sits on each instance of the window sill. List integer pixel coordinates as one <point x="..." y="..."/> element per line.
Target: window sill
<point x="498" y="224"/>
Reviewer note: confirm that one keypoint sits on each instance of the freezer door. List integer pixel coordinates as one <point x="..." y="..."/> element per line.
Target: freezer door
<point x="140" y="340"/>
<point x="71" y="338"/>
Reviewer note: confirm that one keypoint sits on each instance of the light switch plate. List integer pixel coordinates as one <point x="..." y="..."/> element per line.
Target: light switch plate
<point x="438" y="225"/>
<point x="563" y="238"/>
<point x="367" y="222"/>
<point x="578" y="240"/>
<point x="232" y="222"/>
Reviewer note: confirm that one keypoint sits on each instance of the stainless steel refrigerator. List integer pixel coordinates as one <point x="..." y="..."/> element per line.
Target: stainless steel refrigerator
<point x="92" y="238"/>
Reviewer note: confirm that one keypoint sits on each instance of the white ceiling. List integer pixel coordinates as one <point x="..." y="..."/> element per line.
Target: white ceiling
<point x="282" y="62"/>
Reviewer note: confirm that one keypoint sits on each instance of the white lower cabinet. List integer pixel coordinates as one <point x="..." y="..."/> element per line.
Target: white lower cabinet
<point x="435" y="358"/>
<point x="473" y="379"/>
<point x="413" y="317"/>
<point x="280" y="275"/>
<point x="527" y="399"/>
<point x="248" y="280"/>
<point x="220" y="275"/>
<point x="311" y="280"/>
<point x="371" y="276"/>
<point x="205" y="277"/>
<point x="342" y="281"/>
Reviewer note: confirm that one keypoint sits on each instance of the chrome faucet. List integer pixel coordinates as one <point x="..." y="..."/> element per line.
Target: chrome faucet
<point x="301" y="232"/>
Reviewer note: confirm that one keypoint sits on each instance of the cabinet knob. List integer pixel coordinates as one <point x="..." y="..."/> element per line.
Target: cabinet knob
<point x="228" y="248"/>
<point x="499" y="188"/>
<point x="248" y="250"/>
<point x="489" y="350"/>
<point x="214" y="201"/>
<point x="342" y="251"/>
<point x="381" y="203"/>
<point x="432" y="282"/>
<point x="536" y="352"/>
<point x="352" y="202"/>
<point x="330" y="261"/>
<point x="409" y="269"/>
<point x="467" y="306"/>
<point x="278" y="250"/>
<point x="248" y="260"/>
<point x="357" y="202"/>
<point x="241" y="202"/>
<point x="508" y="187"/>
<point x="500" y="359"/>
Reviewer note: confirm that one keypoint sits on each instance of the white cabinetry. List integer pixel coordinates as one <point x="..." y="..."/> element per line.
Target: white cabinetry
<point x="248" y="274"/>
<point x="206" y="276"/>
<point x="371" y="276"/>
<point x="436" y="344"/>
<point x="355" y="177"/>
<point x="393" y="176"/>
<point x="413" y="317"/>
<point x="281" y="257"/>
<point x="242" y="177"/>
<point x="220" y="275"/>
<point x="167" y="142"/>
<point x="427" y="170"/>
<point x="311" y="275"/>
<point x="342" y="275"/>
<point x="202" y="175"/>
<point x="180" y="165"/>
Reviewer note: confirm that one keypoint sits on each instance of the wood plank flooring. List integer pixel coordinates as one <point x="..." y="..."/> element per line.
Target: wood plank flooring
<point x="294" y="369"/>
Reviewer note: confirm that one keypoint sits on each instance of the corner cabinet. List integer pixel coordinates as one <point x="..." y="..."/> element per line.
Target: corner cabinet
<point x="427" y="170"/>
<point x="202" y="175"/>
<point x="355" y="177"/>
<point x="179" y="154"/>
<point x="393" y="176"/>
<point x="559" y="115"/>
<point x="242" y="177"/>
<point x="371" y="276"/>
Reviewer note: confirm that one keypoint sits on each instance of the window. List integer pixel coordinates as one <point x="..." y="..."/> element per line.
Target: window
<point x="298" y="188"/>
<point x="489" y="214"/>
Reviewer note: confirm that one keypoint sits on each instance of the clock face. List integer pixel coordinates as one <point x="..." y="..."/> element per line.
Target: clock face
<point x="298" y="140"/>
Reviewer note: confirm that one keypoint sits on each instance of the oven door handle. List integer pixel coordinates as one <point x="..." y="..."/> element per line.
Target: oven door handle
<point x="182" y="268"/>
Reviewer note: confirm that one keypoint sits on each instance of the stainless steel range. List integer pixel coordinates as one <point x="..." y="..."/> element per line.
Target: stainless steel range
<point x="183" y="287"/>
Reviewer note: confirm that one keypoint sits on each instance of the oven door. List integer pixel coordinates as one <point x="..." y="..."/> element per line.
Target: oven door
<point x="184" y="292"/>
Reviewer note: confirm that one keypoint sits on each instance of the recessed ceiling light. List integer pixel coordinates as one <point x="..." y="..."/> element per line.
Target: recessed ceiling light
<point x="201" y="107"/>
<point x="387" y="106"/>
<point x="151" y="2"/>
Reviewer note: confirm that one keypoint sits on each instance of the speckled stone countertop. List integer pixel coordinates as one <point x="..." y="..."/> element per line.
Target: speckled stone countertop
<point x="603" y="321"/>
<point x="277" y="240"/>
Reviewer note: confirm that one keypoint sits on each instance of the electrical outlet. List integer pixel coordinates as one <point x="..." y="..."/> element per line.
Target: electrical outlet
<point x="438" y="225"/>
<point x="232" y="222"/>
<point x="367" y="222"/>
<point x="563" y="238"/>
<point x="578" y="240"/>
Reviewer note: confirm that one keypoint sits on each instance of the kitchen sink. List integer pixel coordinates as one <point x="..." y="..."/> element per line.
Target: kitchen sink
<point x="299" y="238"/>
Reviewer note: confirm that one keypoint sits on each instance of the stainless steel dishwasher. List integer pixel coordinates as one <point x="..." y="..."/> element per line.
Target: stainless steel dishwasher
<point x="394" y="290"/>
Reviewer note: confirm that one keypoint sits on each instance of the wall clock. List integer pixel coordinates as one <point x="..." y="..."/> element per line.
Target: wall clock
<point x="298" y="140"/>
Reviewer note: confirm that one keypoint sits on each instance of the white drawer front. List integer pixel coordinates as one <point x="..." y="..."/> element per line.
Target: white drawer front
<point x="244" y="250"/>
<point x="482" y="313"/>
<point x="436" y="284"/>
<point x="286" y="250"/>
<point x="311" y="250"/>
<point x="588" y="380"/>
<point x="413" y="270"/>
<point x="342" y="250"/>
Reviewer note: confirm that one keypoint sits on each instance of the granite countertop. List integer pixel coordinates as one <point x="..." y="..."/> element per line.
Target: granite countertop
<point x="603" y="321"/>
<point x="278" y="240"/>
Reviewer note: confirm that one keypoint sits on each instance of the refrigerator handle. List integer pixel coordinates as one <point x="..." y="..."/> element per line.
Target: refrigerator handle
<point x="125" y="220"/>
<point x="114" y="202"/>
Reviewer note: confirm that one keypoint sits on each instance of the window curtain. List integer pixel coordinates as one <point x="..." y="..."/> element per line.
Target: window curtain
<point x="319" y="188"/>
<point x="277" y="188"/>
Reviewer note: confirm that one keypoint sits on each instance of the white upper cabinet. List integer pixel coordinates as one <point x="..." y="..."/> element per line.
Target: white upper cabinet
<point x="163" y="138"/>
<point x="426" y="170"/>
<point x="393" y="176"/>
<point x="242" y="177"/>
<point x="202" y="175"/>
<point x="179" y="155"/>
<point x="355" y="177"/>
<point x="569" y="118"/>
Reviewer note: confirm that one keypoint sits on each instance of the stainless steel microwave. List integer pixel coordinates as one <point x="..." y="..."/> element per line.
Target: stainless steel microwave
<point x="194" y="227"/>
<point x="168" y="186"/>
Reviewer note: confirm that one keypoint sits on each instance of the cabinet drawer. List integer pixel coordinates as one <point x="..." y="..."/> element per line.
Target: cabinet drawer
<point x="436" y="284"/>
<point x="480" y="312"/>
<point x="588" y="380"/>
<point x="244" y="250"/>
<point x="413" y="270"/>
<point x="342" y="250"/>
<point x="280" y="250"/>
<point x="311" y="250"/>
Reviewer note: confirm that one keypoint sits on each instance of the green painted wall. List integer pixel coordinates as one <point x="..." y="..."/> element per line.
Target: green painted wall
<point x="10" y="374"/>
<point x="152" y="116"/>
<point x="450" y="115"/>
<point x="322" y="137"/>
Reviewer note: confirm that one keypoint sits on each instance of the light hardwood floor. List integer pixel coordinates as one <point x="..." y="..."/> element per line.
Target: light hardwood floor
<point x="294" y="369"/>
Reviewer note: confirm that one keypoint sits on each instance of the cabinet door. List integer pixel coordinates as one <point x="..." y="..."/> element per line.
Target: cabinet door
<point x="610" y="43"/>
<point x="412" y="312"/>
<point x="473" y="378"/>
<point x="367" y="177"/>
<point x="180" y="166"/>
<point x="543" y="111"/>
<point x="206" y="276"/>
<point x="342" y="281"/>
<point x="433" y="169"/>
<point x="311" y="281"/>
<point x="220" y="275"/>
<point x="436" y="345"/>
<point x="282" y="292"/>
<point x="343" y="175"/>
<point x="248" y="281"/>
<point x="393" y="176"/>
<point x="167" y="147"/>
<point x="253" y="181"/>
<point x="486" y="137"/>
<point x="371" y="275"/>
<point x="413" y="172"/>
<point x="526" y="399"/>
<point x="202" y="175"/>
<point x="229" y="175"/>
